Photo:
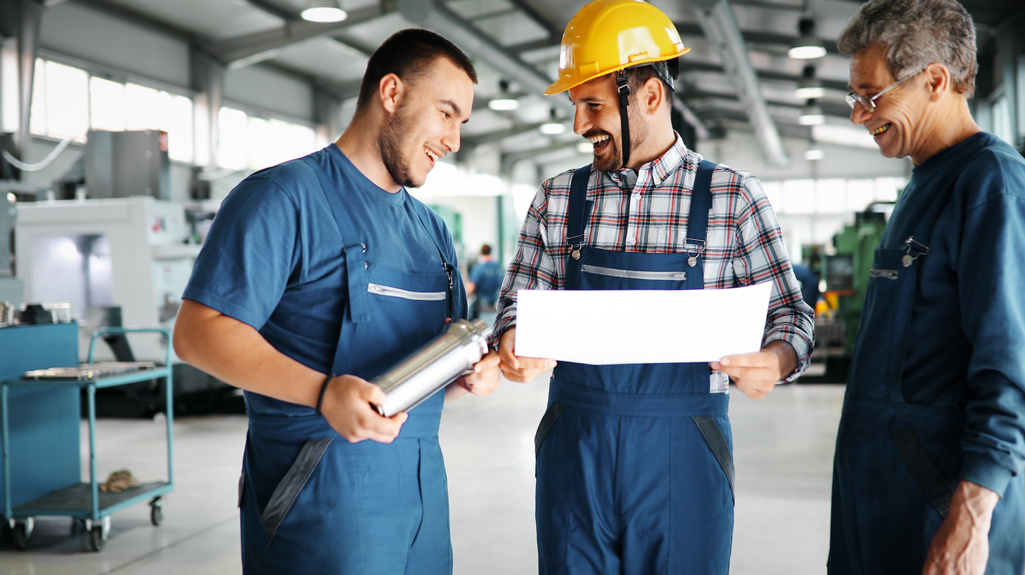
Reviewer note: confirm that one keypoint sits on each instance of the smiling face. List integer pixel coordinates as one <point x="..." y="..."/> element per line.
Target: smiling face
<point x="898" y="122"/>
<point x="597" y="119"/>
<point x="425" y="124"/>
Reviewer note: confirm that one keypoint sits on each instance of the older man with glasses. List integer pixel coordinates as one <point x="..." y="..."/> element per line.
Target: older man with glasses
<point x="931" y="447"/>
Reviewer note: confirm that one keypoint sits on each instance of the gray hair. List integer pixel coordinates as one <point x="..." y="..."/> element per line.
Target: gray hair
<point x="917" y="33"/>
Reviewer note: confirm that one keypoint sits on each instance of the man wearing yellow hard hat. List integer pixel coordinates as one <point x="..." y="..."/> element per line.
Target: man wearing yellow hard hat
<point x="634" y="462"/>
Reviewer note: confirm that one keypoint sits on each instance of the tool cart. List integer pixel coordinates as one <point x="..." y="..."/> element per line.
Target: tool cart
<point x="84" y="502"/>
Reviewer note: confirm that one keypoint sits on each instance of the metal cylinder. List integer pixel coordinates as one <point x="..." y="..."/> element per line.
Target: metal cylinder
<point x="433" y="366"/>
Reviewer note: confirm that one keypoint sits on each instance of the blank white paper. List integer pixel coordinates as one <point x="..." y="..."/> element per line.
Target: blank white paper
<point x="641" y="326"/>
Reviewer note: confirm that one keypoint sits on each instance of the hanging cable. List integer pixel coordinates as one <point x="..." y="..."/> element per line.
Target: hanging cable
<point x="40" y="165"/>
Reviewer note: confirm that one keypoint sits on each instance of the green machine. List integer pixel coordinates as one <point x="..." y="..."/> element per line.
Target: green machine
<point x="454" y="221"/>
<point x="847" y="275"/>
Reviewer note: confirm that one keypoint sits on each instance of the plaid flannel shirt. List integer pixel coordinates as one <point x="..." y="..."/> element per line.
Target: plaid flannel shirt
<point x="744" y="243"/>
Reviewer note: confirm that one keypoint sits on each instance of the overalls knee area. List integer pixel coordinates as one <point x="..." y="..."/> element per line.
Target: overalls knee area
<point x="634" y="464"/>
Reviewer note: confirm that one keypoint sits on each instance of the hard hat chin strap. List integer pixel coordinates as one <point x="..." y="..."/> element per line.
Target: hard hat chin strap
<point x="624" y="92"/>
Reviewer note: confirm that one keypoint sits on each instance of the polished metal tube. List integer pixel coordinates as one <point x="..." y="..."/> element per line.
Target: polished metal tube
<point x="433" y="366"/>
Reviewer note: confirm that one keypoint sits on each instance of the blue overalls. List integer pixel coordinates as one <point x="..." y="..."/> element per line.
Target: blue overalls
<point x="634" y="464"/>
<point x="314" y="503"/>
<point x="896" y="463"/>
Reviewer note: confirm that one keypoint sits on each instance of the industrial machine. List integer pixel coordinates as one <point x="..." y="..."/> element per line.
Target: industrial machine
<point x="11" y="288"/>
<point x="847" y="273"/>
<point x="118" y="261"/>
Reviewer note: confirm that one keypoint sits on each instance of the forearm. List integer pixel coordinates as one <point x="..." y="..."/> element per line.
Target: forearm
<point x="785" y="355"/>
<point x="237" y="354"/>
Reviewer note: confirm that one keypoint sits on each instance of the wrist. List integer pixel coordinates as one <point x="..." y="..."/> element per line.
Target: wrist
<point x="974" y="504"/>
<point x="318" y="408"/>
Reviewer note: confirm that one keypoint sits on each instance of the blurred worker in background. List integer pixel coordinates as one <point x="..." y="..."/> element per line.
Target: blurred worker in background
<point x="931" y="448"/>
<point x="485" y="281"/>
<point x="809" y="284"/>
<point x="634" y="462"/>
<point x="319" y="274"/>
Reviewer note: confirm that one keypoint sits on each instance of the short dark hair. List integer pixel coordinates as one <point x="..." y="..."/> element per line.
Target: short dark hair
<point x="408" y="54"/>
<point x="638" y="75"/>
<point x="485" y="250"/>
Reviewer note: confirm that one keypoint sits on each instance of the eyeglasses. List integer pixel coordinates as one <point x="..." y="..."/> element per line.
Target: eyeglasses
<point x="869" y="102"/>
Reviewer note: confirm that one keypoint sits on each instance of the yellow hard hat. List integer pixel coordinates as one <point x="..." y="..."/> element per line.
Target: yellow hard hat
<point x="609" y="35"/>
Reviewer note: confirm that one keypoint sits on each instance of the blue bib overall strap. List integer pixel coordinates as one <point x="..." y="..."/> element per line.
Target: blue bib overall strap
<point x="389" y="503"/>
<point x="639" y="449"/>
<point x="354" y="250"/>
<point x="449" y="268"/>
<point x="914" y="450"/>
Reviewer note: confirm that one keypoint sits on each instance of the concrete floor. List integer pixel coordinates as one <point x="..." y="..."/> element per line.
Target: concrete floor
<point x="783" y="452"/>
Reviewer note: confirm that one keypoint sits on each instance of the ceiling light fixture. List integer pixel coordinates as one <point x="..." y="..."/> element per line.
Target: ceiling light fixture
<point x="811" y="114"/>
<point x="553" y="127"/>
<point x="807" y="46"/>
<point x="814" y="154"/>
<point x="323" y="11"/>
<point x="809" y="86"/>
<point x="504" y="102"/>
<point x="585" y="148"/>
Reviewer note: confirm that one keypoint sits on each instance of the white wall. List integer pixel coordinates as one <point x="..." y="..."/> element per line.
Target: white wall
<point x="271" y="90"/>
<point x="93" y="36"/>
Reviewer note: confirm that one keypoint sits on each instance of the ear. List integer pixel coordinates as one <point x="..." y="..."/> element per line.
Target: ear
<point x="937" y="80"/>
<point x="390" y="90"/>
<point x="651" y="95"/>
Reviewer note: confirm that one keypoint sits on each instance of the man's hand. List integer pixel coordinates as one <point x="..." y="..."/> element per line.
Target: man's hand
<point x="347" y="408"/>
<point x="756" y="374"/>
<point x="961" y="545"/>
<point x="483" y="381"/>
<point x="520" y="369"/>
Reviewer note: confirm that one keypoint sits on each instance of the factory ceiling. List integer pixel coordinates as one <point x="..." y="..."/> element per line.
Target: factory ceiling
<point x="737" y="78"/>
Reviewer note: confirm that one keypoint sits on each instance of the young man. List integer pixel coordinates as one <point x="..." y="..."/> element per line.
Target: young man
<point x="931" y="448"/>
<point x="634" y="464"/>
<point x="317" y="275"/>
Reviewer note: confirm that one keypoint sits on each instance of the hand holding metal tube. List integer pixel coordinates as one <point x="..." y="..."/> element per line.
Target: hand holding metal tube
<point x="433" y="366"/>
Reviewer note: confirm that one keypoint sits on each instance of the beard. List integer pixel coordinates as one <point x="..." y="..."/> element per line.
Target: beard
<point x="390" y="145"/>
<point x="611" y="162"/>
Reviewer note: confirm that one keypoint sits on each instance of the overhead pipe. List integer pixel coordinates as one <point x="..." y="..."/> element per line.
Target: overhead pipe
<point x="721" y="28"/>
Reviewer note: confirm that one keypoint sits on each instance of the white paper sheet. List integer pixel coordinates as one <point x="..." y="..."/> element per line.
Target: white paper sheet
<point x="641" y="326"/>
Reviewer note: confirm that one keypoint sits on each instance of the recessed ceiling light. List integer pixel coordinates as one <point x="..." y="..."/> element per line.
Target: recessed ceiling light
<point x="503" y="104"/>
<point x="323" y="11"/>
<point x="807" y="46"/>
<point x="553" y="128"/>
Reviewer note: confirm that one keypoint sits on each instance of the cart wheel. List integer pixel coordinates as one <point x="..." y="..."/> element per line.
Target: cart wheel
<point x="156" y="514"/>
<point x="20" y="536"/>
<point x="96" y="540"/>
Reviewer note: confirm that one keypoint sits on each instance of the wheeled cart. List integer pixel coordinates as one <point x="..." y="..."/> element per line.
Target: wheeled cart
<point x="84" y="502"/>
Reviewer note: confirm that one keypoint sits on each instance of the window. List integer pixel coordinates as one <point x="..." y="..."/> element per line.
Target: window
<point x="60" y="101"/>
<point x="246" y="142"/>
<point x="66" y="101"/>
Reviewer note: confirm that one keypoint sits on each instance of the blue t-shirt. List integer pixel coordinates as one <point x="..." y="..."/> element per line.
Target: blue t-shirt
<point x="967" y="334"/>
<point x="273" y="258"/>
<point x="487" y="280"/>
